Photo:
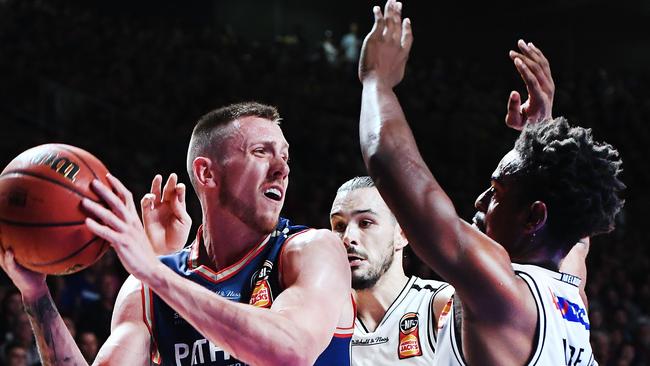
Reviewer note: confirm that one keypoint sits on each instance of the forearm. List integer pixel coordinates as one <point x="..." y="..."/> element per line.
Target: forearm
<point x="390" y="152"/>
<point x="55" y="343"/>
<point x="254" y="335"/>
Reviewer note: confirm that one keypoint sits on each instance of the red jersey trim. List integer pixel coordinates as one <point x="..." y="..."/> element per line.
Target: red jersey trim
<point x="224" y="274"/>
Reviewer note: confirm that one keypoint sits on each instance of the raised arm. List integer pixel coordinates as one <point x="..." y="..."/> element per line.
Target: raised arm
<point x="128" y="343"/>
<point x="535" y="71"/>
<point x="294" y="331"/>
<point x="455" y="250"/>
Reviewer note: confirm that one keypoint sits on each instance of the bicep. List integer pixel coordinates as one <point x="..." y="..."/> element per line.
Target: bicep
<point x="317" y="280"/>
<point x="129" y="341"/>
<point x="484" y="278"/>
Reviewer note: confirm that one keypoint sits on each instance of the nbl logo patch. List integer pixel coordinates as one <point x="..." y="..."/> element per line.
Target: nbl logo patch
<point x="261" y="295"/>
<point x="409" y="337"/>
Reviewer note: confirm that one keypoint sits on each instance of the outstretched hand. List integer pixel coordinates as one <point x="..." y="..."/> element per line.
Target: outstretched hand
<point x="164" y="215"/>
<point x="120" y="225"/>
<point x="386" y="48"/>
<point x="534" y="69"/>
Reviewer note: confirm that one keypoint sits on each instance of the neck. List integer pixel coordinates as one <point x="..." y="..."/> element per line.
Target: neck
<point x="372" y="303"/>
<point x="226" y="239"/>
<point x="542" y="252"/>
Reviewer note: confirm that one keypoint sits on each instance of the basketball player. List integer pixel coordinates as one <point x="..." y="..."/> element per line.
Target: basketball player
<point x="252" y="288"/>
<point x="556" y="186"/>
<point x="396" y="314"/>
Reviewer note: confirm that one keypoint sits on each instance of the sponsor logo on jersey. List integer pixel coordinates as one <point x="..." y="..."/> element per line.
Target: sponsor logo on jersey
<point x="570" y="311"/>
<point x="202" y="352"/>
<point x="369" y="341"/>
<point x="261" y="295"/>
<point x="409" y="337"/>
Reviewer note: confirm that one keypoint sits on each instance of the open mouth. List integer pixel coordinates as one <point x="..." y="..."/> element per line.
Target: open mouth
<point x="273" y="193"/>
<point x="355" y="260"/>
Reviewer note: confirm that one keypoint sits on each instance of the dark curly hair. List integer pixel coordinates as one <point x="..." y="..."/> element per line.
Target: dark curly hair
<point x="576" y="177"/>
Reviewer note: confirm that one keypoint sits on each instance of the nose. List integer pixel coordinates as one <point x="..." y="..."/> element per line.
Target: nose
<point x="350" y="237"/>
<point x="280" y="168"/>
<point x="481" y="202"/>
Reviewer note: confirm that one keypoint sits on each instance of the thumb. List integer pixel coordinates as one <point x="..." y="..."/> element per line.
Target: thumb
<point x="513" y="118"/>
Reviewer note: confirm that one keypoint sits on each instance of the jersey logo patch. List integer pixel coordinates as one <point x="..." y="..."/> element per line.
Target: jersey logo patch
<point x="261" y="295"/>
<point x="571" y="312"/>
<point x="409" y="337"/>
<point x="444" y="314"/>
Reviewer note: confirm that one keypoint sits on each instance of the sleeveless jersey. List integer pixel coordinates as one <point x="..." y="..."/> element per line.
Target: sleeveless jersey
<point x="406" y="335"/>
<point x="563" y="326"/>
<point x="254" y="280"/>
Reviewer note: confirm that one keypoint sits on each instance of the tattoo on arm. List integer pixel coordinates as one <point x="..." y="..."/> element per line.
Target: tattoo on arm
<point x="46" y="324"/>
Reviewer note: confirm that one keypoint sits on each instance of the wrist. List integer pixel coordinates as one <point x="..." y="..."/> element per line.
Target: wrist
<point x="154" y="274"/>
<point x="32" y="295"/>
<point x="373" y="80"/>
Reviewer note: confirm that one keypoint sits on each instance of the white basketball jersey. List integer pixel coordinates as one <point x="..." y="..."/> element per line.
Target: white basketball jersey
<point x="405" y="336"/>
<point x="563" y="325"/>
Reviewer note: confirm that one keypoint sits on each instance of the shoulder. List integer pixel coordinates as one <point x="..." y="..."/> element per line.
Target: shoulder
<point x="312" y="238"/>
<point x="313" y="251"/>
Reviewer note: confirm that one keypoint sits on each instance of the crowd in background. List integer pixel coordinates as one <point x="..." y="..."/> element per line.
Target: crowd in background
<point x="129" y="90"/>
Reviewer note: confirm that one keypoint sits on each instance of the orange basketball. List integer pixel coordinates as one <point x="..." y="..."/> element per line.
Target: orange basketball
<point x="41" y="217"/>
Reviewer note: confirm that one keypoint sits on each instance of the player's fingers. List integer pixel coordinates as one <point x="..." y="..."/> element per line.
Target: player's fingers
<point x="170" y="186"/>
<point x="121" y="191"/>
<point x="538" y="66"/>
<point x="543" y="61"/>
<point x="106" y="216"/>
<point x="389" y="15"/>
<point x="407" y="35"/>
<point x="180" y="194"/>
<point x="156" y="185"/>
<point x="513" y="118"/>
<point x="380" y="23"/>
<point x="115" y="203"/>
<point x="147" y="203"/>
<point x="102" y="231"/>
<point x="532" y="84"/>
<point x="397" y="19"/>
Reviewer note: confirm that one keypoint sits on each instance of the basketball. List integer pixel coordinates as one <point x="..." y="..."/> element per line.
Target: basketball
<point x="41" y="218"/>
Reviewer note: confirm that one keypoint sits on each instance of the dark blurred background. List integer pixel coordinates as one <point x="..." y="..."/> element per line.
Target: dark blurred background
<point x="127" y="81"/>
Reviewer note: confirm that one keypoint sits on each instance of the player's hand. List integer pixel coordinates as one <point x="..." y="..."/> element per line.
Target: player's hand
<point x="30" y="284"/>
<point x="534" y="69"/>
<point x="164" y="215"/>
<point x="120" y="225"/>
<point x="386" y="48"/>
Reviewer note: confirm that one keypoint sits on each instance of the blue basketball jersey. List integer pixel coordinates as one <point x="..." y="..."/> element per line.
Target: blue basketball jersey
<point x="254" y="280"/>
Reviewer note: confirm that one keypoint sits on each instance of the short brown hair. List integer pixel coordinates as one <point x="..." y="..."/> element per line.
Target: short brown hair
<point x="207" y="131"/>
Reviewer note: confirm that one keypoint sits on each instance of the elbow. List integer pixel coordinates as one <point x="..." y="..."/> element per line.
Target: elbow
<point x="298" y="349"/>
<point x="295" y="354"/>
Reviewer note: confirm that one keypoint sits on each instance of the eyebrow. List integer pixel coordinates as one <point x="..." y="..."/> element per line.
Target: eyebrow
<point x="356" y="212"/>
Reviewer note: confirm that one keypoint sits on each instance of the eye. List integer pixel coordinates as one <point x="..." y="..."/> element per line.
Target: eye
<point x="338" y="226"/>
<point x="365" y="224"/>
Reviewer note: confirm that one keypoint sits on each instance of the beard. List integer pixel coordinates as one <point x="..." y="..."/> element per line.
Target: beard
<point x="247" y="213"/>
<point x="370" y="278"/>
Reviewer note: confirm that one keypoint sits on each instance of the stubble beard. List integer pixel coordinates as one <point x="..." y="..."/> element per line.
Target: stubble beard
<point x="246" y="213"/>
<point x="369" y="280"/>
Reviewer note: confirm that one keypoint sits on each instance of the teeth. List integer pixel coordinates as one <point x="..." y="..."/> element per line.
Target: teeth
<point x="273" y="193"/>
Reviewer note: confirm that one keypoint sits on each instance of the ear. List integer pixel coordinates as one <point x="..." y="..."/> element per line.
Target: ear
<point x="536" y="216"/>
<point x="399" y="239"/>
<point x="204" y="172"/>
